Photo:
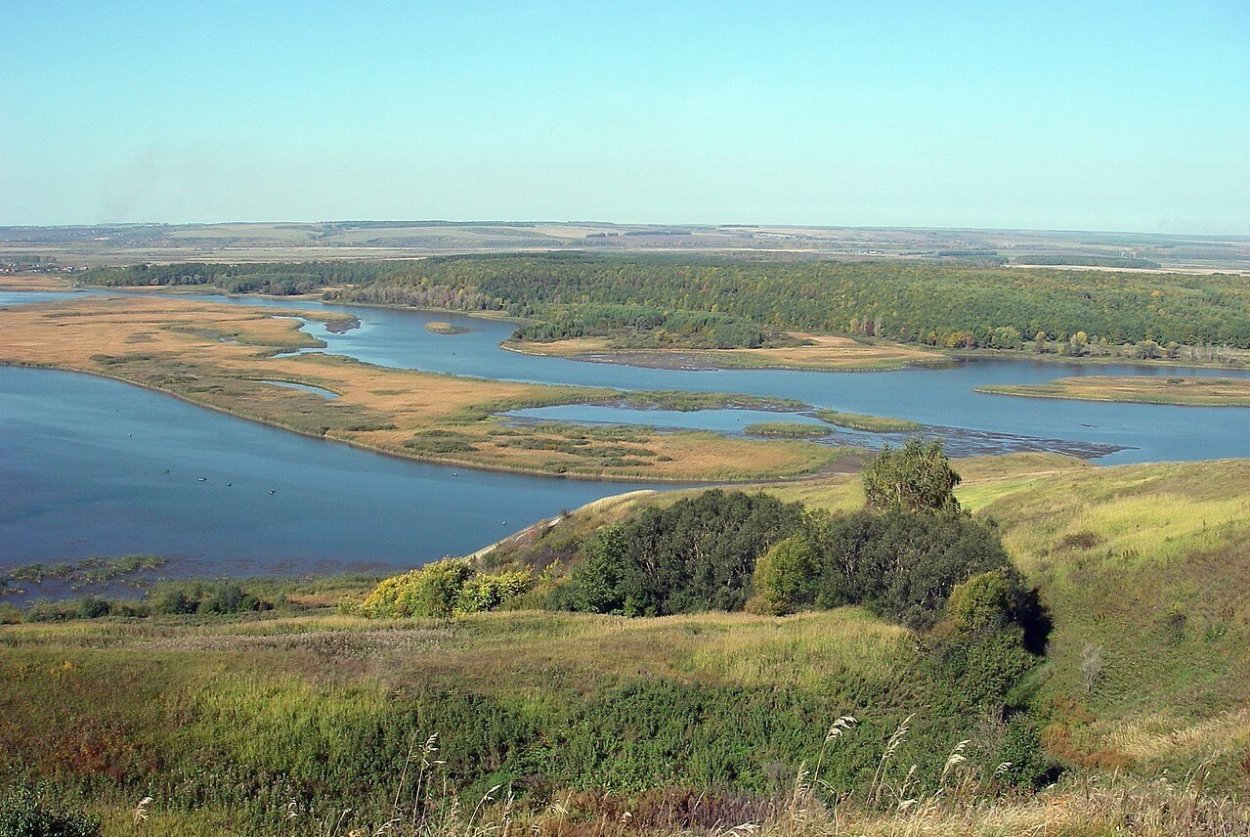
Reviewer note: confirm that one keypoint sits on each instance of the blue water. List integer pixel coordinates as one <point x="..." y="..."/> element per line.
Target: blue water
<point x="942" y="399"/>
<point x="90" y="466"/>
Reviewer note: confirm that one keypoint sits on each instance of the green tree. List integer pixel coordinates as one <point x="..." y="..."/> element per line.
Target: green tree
<point x="783" y="576"/>
<point x="915" y="477"/>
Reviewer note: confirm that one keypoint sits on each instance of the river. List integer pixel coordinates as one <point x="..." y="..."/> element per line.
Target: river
<point x="94" y="467"/>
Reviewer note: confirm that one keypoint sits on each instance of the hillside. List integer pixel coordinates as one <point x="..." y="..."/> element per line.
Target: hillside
<point x="693" y="721"/>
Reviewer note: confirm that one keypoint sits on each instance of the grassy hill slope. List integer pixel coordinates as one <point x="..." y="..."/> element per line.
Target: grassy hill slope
<point x="696" y="722"/>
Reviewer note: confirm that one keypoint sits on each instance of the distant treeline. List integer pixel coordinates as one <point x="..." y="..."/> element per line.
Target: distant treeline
<point x="1089" y="261"/>
<point x="945" y="304"/>
<point x="649" y="326"/>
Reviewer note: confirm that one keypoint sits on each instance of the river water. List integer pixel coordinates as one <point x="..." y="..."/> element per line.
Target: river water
<point x="94" y="467"/>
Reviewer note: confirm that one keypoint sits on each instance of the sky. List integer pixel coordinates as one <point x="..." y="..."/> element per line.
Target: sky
<point x="1119" y="116"/>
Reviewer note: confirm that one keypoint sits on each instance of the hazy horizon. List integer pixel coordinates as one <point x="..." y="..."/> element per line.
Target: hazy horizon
<point x="1106" y="117"/>
<point x="486" y="222"/>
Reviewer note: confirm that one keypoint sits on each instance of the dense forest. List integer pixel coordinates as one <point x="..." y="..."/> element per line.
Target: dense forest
<point x="750" y="302"/>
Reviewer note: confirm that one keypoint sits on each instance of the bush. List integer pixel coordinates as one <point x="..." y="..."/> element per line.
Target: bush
<point x="698" y="554"/>
<point x="489" y="591"/>
<point x="916" y="477"/>
<point x="783" y="576"/>
<point x="91" y="607"/>
<point x="197" y="597"/>
<point x="429" y="592"/>
<point x="27" y="813"/>
<point x="901" y="566"/>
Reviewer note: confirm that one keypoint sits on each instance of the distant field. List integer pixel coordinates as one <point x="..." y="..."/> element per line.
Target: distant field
<point x="132" y="243"/>
<point x="222" y="356"/>
<point x="1195" y="392"/>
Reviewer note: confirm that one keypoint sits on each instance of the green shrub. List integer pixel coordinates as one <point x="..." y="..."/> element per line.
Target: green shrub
<point x="916" y="477"/>
<point x="197" y="597"/>
<point x="698" y="554"/>
<point x="430" y="592"/>
<point x="488" y="591"/>
<point x="91" y="607"/>
<point x="782" y="576"/>
<point x="28" y="813"/>
<point x="52" y="611"/>
<point x="899" y="565"/>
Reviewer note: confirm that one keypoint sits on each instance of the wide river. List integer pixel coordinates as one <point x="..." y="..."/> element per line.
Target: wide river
<point x="93" y="467"/>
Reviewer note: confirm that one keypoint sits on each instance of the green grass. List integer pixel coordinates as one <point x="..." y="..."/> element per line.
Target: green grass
<point x="786" y="429"/>
<point x="872" y="424"/>
<point x="243" y="715"/>
<point x="1143" y="566"/>
<point x="226" y="719"/>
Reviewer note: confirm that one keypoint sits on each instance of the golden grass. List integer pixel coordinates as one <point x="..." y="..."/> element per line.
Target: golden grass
<point x="220" y="356"/>
<point x="35" y="282"/>
<point x="1193" y="391"/>
<point x="821" y="352"/>
<point x="808" y="650"/>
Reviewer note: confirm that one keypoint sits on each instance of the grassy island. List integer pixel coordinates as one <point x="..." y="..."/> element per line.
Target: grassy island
<point x="871" y="424"/>
<point x="1179" y="391"/>
<point x="786" y="430"/>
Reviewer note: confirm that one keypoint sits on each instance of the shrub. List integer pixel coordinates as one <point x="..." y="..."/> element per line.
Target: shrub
<point x="197" y="597"/>
<point x="901" y="566"/>
<point x="431" y="591"/>
<point x="698" y="554"/>
<point x="783" y="576"/>
<point x="27" y="813"/>
<point x="985" y="603"/>
<point x="916" y="477"/>
<point x="91" y="607"/>
<point x="488" y="591"/>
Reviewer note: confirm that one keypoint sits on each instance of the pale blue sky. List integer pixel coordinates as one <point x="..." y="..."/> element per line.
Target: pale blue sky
<point x="1084" y="115"/>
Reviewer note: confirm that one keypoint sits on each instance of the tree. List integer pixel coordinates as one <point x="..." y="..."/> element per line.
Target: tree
<point x="783" y="577"/>
<point x="916" y="477"/>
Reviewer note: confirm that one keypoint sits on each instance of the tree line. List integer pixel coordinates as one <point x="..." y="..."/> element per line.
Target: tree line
<point x="943" y="304"/>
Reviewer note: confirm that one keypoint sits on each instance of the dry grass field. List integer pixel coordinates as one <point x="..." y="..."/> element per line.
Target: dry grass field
<point x="222" y="356"/>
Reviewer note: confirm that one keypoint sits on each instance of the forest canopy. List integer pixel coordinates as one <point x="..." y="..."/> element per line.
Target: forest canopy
<point x="946" y="304"/>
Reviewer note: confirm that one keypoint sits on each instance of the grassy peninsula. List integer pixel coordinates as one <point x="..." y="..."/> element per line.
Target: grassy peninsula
<point x="1180" y="391"/>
